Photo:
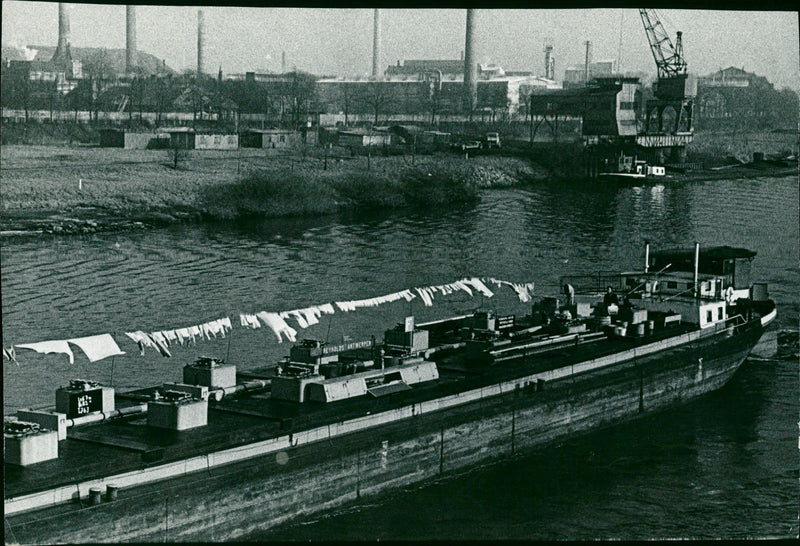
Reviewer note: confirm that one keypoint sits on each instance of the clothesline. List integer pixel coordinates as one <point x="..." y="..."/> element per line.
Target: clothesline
<point x="103" y="346"/>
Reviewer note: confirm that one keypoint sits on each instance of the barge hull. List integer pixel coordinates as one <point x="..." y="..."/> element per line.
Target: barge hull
<point x="232" y="501"/>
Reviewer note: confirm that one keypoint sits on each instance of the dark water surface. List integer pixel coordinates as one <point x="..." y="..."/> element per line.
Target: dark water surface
<point x="725" y="465"/>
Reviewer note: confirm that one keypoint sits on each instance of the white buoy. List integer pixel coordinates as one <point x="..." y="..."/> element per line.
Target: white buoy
<point x="80" y="183"/>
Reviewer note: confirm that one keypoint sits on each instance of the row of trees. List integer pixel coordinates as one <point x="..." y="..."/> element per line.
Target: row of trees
<point x="286" y="99"/>
<point x="748" y="107"/>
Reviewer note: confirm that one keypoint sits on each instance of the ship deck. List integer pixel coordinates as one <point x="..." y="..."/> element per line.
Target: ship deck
<point x="125" y="444"/>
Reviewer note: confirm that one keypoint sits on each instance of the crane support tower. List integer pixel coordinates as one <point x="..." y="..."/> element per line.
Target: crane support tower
<point x="674" y="90"/>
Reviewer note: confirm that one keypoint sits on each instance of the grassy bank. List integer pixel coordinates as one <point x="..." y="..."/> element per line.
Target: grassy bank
<point x="142" y="185"/>
<point x="715" y="146"/>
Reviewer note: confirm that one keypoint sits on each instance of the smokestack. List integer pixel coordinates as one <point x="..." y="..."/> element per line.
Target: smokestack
<point x="376" y="45"/>
<point x="130" y="38"/>
<point x="586" y="65"/>
<point x="62" y="50"/>
<point x="283" y="62"/>
<point x="548" y="62"/>
<point x="470" y="66"/>
<point x="201" y="38"/>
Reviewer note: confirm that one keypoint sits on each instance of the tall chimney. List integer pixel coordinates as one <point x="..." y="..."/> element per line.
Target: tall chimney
<point x="62" y="53"/>
<point x="470" y="65"/>
<point x="201" y="38"/>
<point x="376" y="45"/>
<point x="548" y="61"/>
<point x="586" y="65"/>
<point x="130" y="38"/>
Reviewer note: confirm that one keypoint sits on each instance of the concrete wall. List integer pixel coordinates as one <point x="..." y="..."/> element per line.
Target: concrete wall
<point x="146" y="141"/>
<point x="229" y="502"/>
<point x="216" y="142"/>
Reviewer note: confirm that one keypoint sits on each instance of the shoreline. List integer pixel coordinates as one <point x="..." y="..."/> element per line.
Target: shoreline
<point x="111" y="190"/>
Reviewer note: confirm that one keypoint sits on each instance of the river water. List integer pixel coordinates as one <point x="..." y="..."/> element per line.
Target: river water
<point x="725" y="465"/>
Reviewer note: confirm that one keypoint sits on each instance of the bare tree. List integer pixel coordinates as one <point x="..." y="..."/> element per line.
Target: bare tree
<point x="98" y="69"/>
<point x="347" y="97"/>
<point x="302" y="96"/>
<point x="176" y="153"/>
<point x="377" y="98"/>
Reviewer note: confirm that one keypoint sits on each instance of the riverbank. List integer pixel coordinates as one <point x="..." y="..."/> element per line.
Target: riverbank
<point x="80" y="189"/>
<point x="88" y="189"/>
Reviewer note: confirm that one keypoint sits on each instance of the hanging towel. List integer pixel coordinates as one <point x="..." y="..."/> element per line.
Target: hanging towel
<point x="203" y="331"/>
<point x="253" y="320"/>
<point x="278" y="325"/>
<point x="138" y="340"/>
<point x="523" y="291"/>
<point x="311" y="314"/>
<point x="326" y="308"/>
<point x="215" y="328"/>
<point x="298" y="317"/>
<point x="425" y="297"/>
<point x="160" y="344"/>
<point x="97" y="347"/>
<point x="226" y="324"/>
<point x="47" y="347"/>
<point x="10" y="354"/>
<point x="194" y="331"/>
<point x="460" y="285"/>
<point x="408" y="295"/>
<point x="222" y="327"/>
<point x="243" y="320"/>
<point x="183" y="335"/>
<point x="170" y="336"/>
<point x="479" y="286"/>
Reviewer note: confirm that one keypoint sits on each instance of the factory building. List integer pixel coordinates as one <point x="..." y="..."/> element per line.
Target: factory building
<point x="733" y="96"/>
<point x="575" y="76"/>
<point x="608" y="107"/>
<point x="425" y="87"/>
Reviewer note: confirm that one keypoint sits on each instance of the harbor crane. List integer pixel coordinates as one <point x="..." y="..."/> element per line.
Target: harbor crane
<point x="674" y="88"/>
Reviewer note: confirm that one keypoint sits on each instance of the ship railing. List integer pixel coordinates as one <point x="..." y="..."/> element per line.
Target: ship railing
<point x="734" y="321"/>
<point x="594" y="284"/>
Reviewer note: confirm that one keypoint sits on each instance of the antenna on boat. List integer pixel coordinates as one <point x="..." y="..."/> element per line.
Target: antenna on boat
<point x="696" y="268"/>
<point x="330" y="320"/>
<point x="646" y="256"/>
<point x="228" y="351"/>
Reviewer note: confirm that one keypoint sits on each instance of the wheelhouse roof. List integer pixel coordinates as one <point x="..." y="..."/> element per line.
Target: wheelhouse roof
<point x="709" y="253"/>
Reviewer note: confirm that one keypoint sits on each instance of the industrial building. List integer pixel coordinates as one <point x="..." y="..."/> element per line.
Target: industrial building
<point x="429" y="88"/>
<point x="607" y="107"/>
<point x="576" y="75"/>
<point x="733" y="96"/>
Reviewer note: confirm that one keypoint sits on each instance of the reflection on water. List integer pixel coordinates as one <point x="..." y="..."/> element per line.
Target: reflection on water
<point x="722" y="466"/>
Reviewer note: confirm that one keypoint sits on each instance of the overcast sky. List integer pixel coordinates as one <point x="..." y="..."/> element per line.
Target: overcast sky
<point x="339" y="41"/>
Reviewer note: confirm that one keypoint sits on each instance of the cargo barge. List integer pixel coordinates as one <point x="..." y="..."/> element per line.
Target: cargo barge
<point x="224" y="453"/>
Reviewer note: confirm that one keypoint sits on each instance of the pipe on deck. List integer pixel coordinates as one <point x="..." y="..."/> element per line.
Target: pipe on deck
<point x="248" y="386"/>
<point x="103" y="416"/>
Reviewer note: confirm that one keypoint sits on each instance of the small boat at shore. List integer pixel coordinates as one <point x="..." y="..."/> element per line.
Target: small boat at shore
<point x="632" y="170"/>
<point x="226" y="451"/>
